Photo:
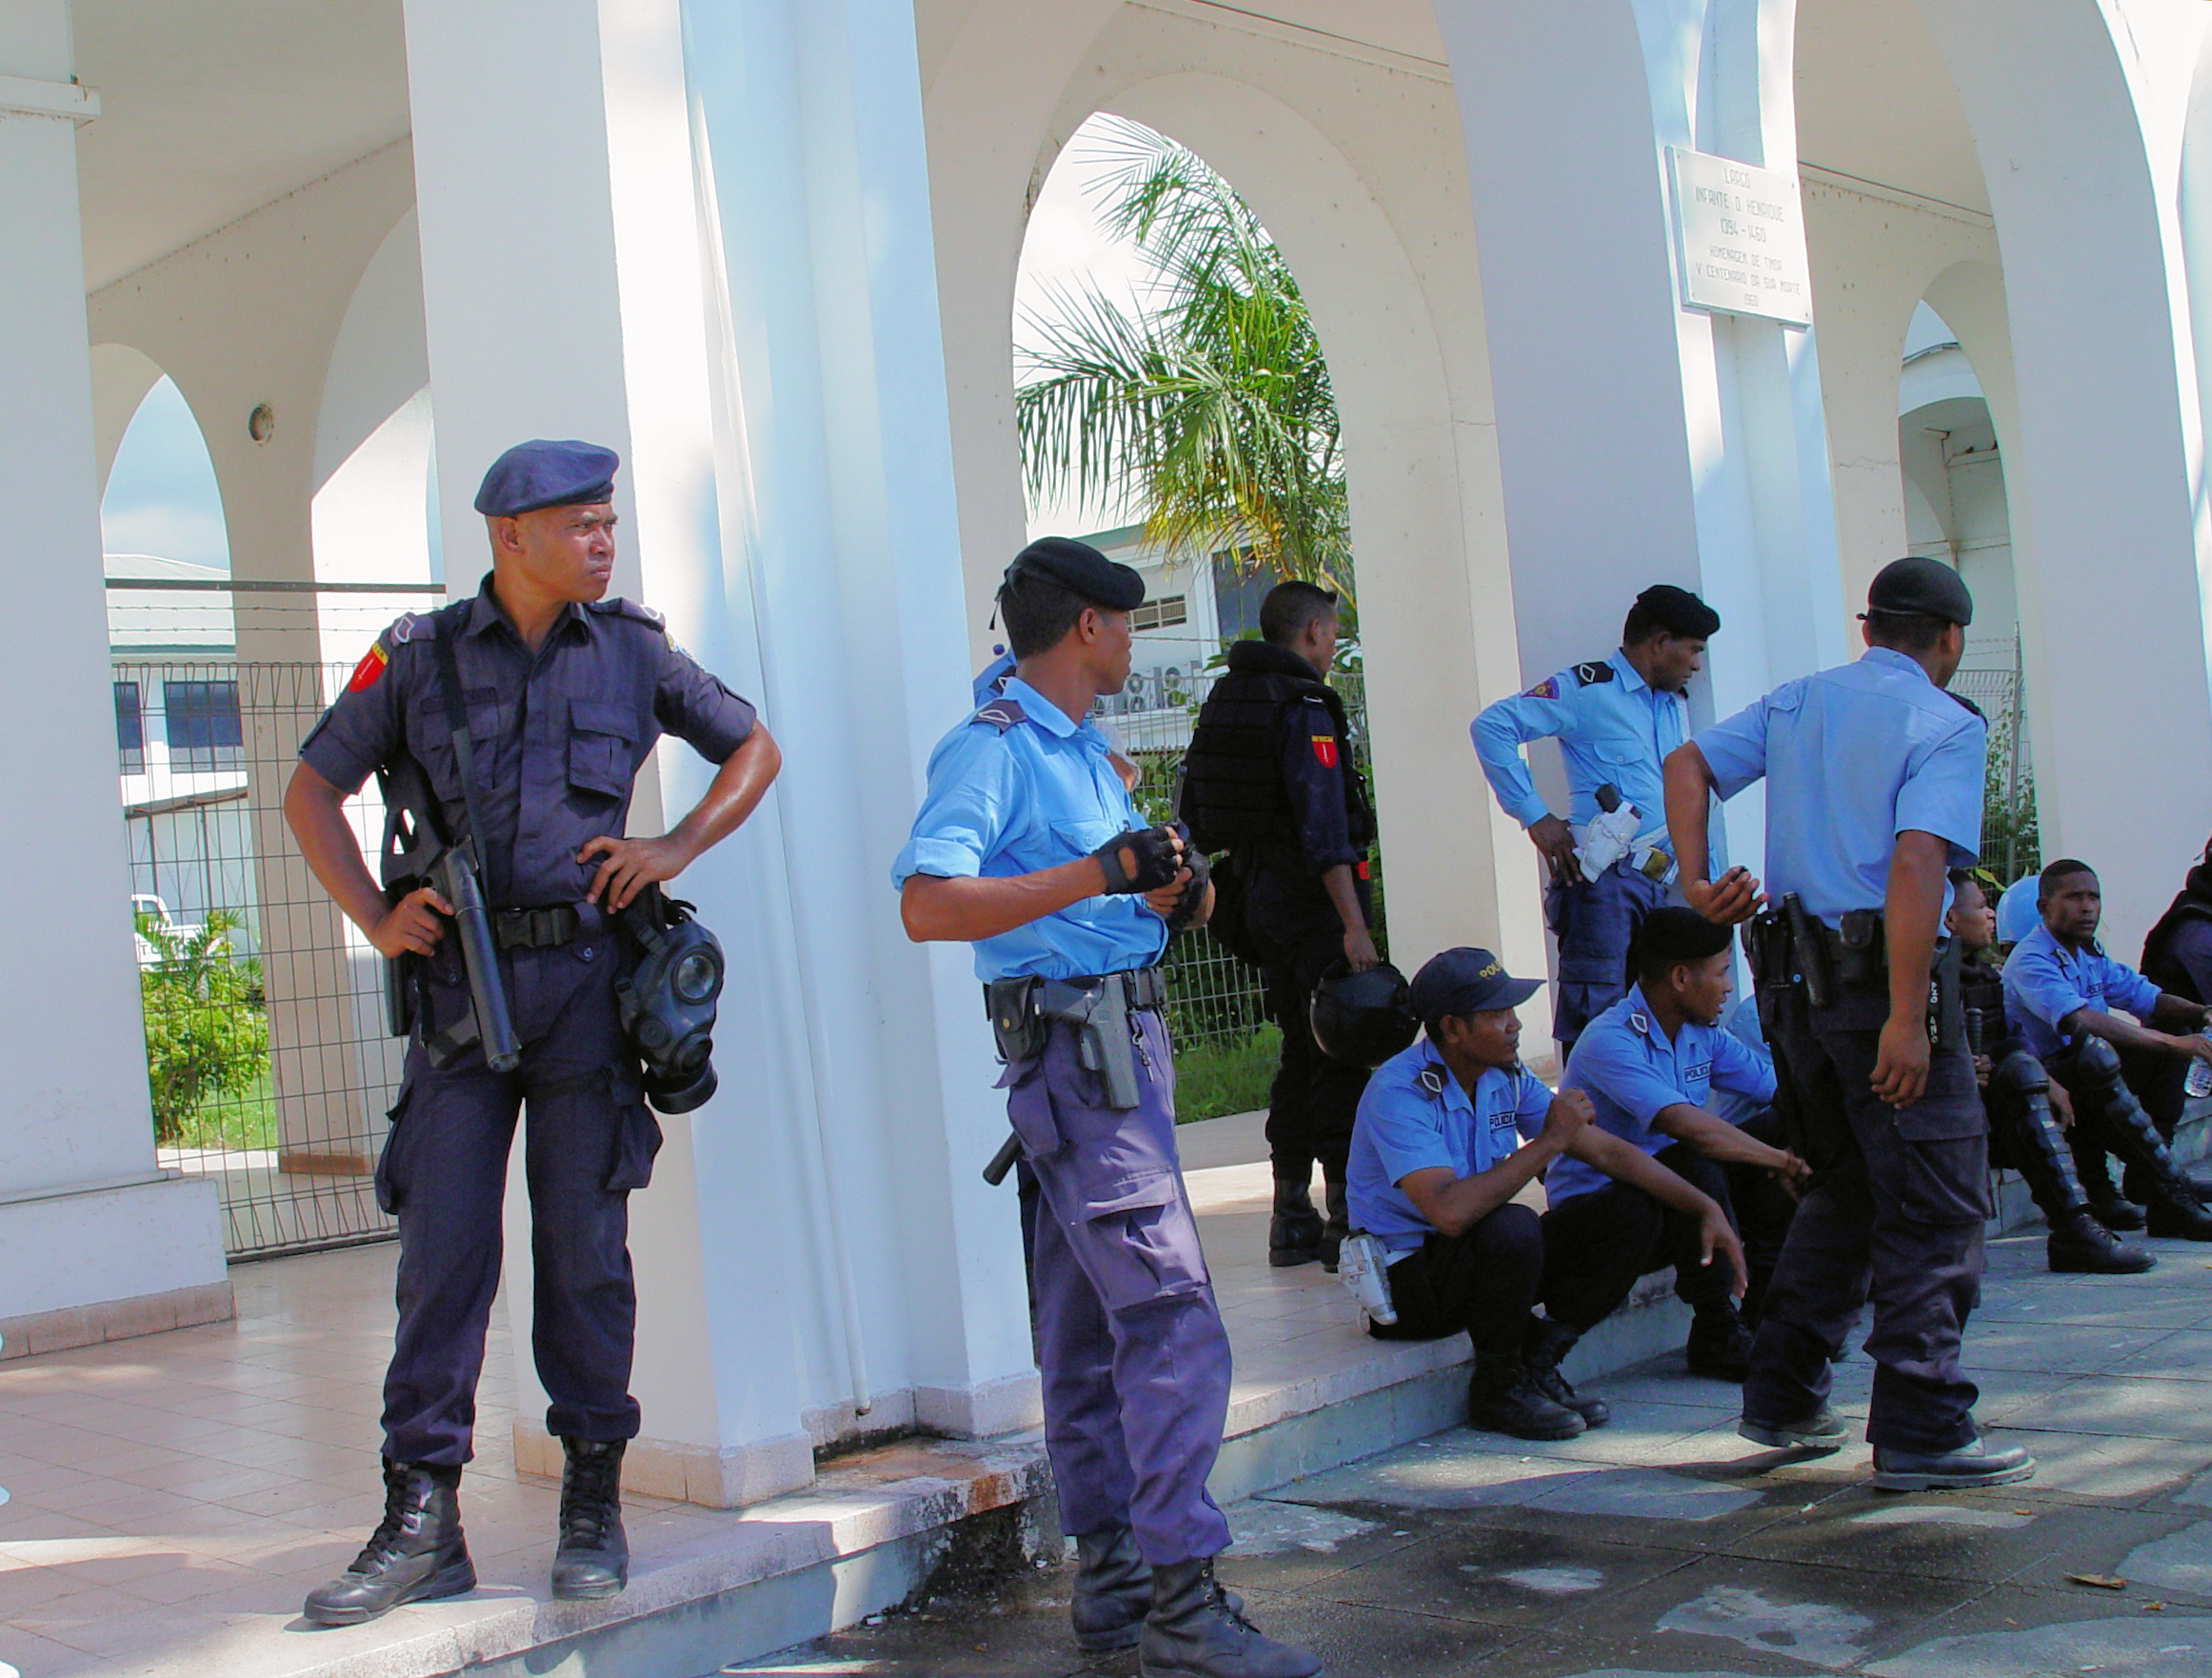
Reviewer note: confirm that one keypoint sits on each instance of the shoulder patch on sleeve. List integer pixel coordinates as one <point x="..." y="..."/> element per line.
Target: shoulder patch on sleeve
<point x="1548" y="689"/>
<point x="378" y="658"/>
<point x="1597" y="670"/>
<point x="1002" y="713"/>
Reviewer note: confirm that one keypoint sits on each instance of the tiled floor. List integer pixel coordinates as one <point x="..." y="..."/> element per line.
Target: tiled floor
<point x="173" y="1497"/>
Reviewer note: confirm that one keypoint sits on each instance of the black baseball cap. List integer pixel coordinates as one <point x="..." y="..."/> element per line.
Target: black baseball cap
<point x="1921" y="588"/>
<point x="1466" y="981"/>
<point x="1079" y="569"/>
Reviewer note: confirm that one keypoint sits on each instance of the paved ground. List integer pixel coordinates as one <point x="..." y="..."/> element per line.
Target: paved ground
<point x="1663" y="1543"/>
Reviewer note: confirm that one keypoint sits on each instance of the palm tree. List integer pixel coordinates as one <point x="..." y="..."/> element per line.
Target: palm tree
<point x="1207" y="413"/>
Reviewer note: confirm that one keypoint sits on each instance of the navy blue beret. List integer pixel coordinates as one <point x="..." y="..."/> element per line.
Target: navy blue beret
<point x="1079" y="569"/>
<point x="542" y="473"/>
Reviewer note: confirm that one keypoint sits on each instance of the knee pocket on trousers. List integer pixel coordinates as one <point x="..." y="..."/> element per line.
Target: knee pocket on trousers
<point x="1944" y="1182"/>
<point x="1141" y="1249"/>
<point x="390" y="1166"/>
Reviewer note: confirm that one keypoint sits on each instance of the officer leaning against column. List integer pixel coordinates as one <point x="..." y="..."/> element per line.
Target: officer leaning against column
<point x="1615" y="720"/>
<point x="1027" y="845"/>
<point x="1874" y="780"/>
<point x="565" y="693"/>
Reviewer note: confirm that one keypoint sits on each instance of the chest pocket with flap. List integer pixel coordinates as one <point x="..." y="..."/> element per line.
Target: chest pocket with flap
<point x="601" y="739"/>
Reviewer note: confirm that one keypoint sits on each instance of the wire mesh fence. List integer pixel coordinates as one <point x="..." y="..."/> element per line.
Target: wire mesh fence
<point x="267" y="1057"/>
<point x="2011" y="844"/>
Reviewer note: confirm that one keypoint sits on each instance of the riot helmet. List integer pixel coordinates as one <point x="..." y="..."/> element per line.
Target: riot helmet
<point x="1362" y="1019"/>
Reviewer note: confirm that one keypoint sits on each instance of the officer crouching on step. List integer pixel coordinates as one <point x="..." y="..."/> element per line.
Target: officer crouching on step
<point x="1027" y="847"/>
<point x="562" y="694"/>
<point x="1873" y="781"/>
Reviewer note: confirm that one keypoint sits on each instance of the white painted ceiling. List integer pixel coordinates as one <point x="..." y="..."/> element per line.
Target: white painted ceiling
<point x="1874" y="101"/>
<point x="215" y="107"/>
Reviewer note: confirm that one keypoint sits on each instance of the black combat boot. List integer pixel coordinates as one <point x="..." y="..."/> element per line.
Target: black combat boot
<point x="1544" y="1350"/>
<point x="1973" y="1464"/>
<point x="1502" y="1399"/>
<point x="1294" y="1231"/>
<point x="1720" y="1346"/>
<point x="593" y="1559"/>
<point x="2106" y="1204"/>
<point x="1337" y="1226"/>
<point x="2129" y="1132"/>
<point x="2082" y="1245"/>
<point x="1113" y="1589"/>
<point x="416" y="1553"/>
<point x="1196" y="1630"/>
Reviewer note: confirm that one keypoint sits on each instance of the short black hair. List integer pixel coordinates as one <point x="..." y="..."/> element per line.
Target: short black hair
<point x="1289" y="607"/>
<point x="1038" y="613"/>
<point x="1906" y="632"/>
<point x="1674" y="936"/>
<point x="1961" y="878"/>
<point x="2054" y="873"/>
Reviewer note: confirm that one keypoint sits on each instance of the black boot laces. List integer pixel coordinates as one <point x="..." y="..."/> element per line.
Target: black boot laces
<point x="589" y="1494"/>
<point x="399" y="1512"/>
<point x="1221" y="1598"/>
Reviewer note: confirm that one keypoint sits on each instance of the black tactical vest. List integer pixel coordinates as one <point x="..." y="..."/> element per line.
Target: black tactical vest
<point x="1233" y="778"/>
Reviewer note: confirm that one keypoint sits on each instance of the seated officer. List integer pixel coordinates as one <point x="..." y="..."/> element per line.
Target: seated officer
<point x="2060" y="990"/>
<point x="1437" y="1158"/>
<point x="2028" y="1114"/>
<point x="1651" y="1063"/>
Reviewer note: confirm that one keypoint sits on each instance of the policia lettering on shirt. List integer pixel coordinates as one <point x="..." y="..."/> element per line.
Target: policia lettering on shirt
<point x="1874" y="779"/>
<point x="562" y="695"/>
<point x="1027" y="847"/>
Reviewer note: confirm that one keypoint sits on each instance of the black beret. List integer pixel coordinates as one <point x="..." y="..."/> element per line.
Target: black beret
<point x="1079" y="569"/>
<point x="1674" y="933"/>
<point x="1925" y="587"/>
<point x="1678" y="612"/>
<point x="545" y="474"/>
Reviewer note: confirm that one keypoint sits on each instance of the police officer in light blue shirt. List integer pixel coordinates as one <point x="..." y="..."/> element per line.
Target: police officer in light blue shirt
<point x="1437" y="1156"/>
<point x="1874" y="779"/>
<point x="1615" y="719"/>
<point x="1027" y="847"/>
<point x="1653" y="1065"/>
<point x="2064" y="998"/>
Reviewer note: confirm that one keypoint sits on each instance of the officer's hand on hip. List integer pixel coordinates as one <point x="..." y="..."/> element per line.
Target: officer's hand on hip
<point x="1716" y="1238"/>
<point x="1731" y="898"/>
<point x="1360" y="951"/>
<point x="412" y="926"/>
<point x="630" y="866"/>
<point x="1555" y="842"/>
<point x="1901" y="1064"/>
<point x="1568" y="1115"/>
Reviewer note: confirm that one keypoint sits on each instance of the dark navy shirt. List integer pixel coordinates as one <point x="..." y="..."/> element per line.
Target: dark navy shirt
<point x="556" y="735"/>
<point x="1315" y="762"/>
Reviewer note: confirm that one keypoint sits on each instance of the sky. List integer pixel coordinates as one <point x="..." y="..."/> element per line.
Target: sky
<point x="162" y="497"/>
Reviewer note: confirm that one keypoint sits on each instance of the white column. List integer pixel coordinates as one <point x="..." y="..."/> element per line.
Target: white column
<point x="811" y="117"/>
<point x="1641" y="441"/>
<point x="93" y="1239"/>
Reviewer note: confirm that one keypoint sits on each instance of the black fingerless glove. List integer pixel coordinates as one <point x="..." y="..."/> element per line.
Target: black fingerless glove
<point x="1193" y="897"/>
<point x="1159" y="860"/>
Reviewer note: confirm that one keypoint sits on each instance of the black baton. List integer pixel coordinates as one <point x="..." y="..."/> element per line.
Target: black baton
<point x="1002" y="1161"/>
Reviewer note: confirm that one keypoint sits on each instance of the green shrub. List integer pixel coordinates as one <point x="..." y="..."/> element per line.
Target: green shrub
<point x="1215" y="1079"/>
<point x="205" y="1034"/>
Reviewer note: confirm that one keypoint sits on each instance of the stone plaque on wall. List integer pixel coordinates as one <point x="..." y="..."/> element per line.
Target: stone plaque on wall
<point x="1739" y="236"/>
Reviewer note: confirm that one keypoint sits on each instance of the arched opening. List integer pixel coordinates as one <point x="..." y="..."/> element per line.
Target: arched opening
<point x="1176" y="411"/>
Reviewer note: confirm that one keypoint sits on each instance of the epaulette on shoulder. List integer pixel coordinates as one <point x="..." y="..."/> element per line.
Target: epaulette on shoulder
<point x="1968" y="704"/>
<point x="1002" y="713"/>
<point x="617" y="607"/>
<point x="1431" y="1079"/>
<point x="1597" y="670"/>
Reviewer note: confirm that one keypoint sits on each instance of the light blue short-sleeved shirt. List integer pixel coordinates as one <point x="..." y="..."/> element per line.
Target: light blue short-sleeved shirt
<point x="1415" y="1115"/>
<point x="1743" y="1025"/>
<point x="1852" y="757"/>
<point x="1630" y="1070"/>
<point x="2045" y="982"/>
<point x="1610" y="726"/>
<point x="1016" y="789"/>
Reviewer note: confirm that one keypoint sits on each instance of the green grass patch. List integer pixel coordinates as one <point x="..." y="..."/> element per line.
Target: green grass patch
<point x="1216" y="1079"/>
<point x="235" y="1123"/>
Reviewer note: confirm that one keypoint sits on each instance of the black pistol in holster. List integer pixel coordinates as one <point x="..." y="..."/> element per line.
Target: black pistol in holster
<point x="418" y="852"/>
<point x="1808" y="947"/>
<point x="1103" y="1044"/>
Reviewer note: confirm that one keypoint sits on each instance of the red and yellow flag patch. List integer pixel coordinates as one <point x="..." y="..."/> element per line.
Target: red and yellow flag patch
<point x="369" y="668"/>
<point x="1325" y="750"/>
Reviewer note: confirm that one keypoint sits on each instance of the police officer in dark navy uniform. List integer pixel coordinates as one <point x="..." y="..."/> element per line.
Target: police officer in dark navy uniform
<point x="1615" y="720"/>
<point x="1026" y="847"/>
<point x="564" y="693"/>
<point x="1873" y="781"/>
<point x="1269" y="778"/>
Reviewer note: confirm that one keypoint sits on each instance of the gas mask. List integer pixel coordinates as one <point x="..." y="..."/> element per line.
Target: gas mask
<point x="665" y="999"/>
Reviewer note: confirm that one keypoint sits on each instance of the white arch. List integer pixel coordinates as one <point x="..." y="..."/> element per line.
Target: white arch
<point x="121" y="379"/>
<point x="380" y="358"/>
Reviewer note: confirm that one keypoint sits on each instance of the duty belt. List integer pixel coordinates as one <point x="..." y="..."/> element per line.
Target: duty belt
<point x="1652" y="863"/>
<point x="1022" y="1009"/>
<point x="535" y="928"/>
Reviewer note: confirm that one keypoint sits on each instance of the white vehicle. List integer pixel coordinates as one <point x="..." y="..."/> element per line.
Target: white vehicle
<point x="153" y="908"/>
